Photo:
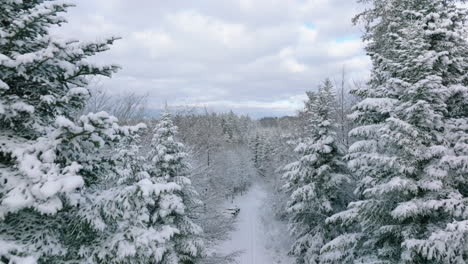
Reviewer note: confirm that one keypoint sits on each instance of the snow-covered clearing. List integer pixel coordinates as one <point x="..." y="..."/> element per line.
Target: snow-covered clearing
<point x="254" y="236"/>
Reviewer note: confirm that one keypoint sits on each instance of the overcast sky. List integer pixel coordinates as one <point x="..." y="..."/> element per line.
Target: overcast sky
<point x="251" y="56"/>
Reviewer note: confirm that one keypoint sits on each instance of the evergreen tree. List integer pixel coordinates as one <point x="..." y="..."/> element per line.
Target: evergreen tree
<point x="408" y="193"/>
<point x="446" y="30"/>
<point x="168" y="159"/>
<point x="230" y="123"/>
<point x="261" y="149"/>
<point x="256" y="145"/>
<point x="49" y="159"/>
<point x="132" y="217"/>
<point x="316" y="180"/>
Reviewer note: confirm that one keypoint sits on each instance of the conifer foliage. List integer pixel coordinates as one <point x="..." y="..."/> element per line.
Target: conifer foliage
<point x="132" y="216"/>
<point x="316" y="181"/>
<point x="46" y="154"/>
<point x="412" y="208"/>
<point x="42" y="82"/>
<point x="169" y="164"/>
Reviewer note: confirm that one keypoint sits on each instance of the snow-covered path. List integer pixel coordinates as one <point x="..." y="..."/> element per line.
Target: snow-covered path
<point x="250" y="236"/>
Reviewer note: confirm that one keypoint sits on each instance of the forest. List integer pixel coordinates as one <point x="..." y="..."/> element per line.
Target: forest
<point x="365" y="172"/>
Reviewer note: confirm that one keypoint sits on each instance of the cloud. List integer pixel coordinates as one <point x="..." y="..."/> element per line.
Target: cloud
<point x="157" y="43"/>
<point x="249" y="55"/>
<point x="344" y="48"/>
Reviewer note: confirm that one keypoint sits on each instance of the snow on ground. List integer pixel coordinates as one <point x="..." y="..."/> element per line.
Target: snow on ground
<point x="251" y="235"/>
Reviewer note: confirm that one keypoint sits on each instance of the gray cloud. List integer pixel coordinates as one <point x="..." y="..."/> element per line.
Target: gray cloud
<point x="252" y="56"/>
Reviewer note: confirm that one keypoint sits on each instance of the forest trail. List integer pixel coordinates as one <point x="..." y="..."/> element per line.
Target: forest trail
<point x="251" y="236"/>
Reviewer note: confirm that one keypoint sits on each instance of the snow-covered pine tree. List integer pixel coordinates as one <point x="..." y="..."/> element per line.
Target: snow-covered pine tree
<point x="408" y="195"/>
<point x="230" y="125"/>
<point x="133" y="216"/>
<point x="46" y="154"/>
<point x="446" y="29"/>
<point x="316" y="180"/>
<point x="256" y="145"/>
<point x="168" y="160"/>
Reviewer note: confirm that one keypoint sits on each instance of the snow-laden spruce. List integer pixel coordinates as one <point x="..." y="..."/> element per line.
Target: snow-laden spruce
<point x="46" y="153"/>
<point x="410" y="162"/>
<point x="131" y="215"/>
<point x="447" y="32"/>
<point x="41" y="88"/>
<point x="316" y="181"/>
<point x="169" y="164"/>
